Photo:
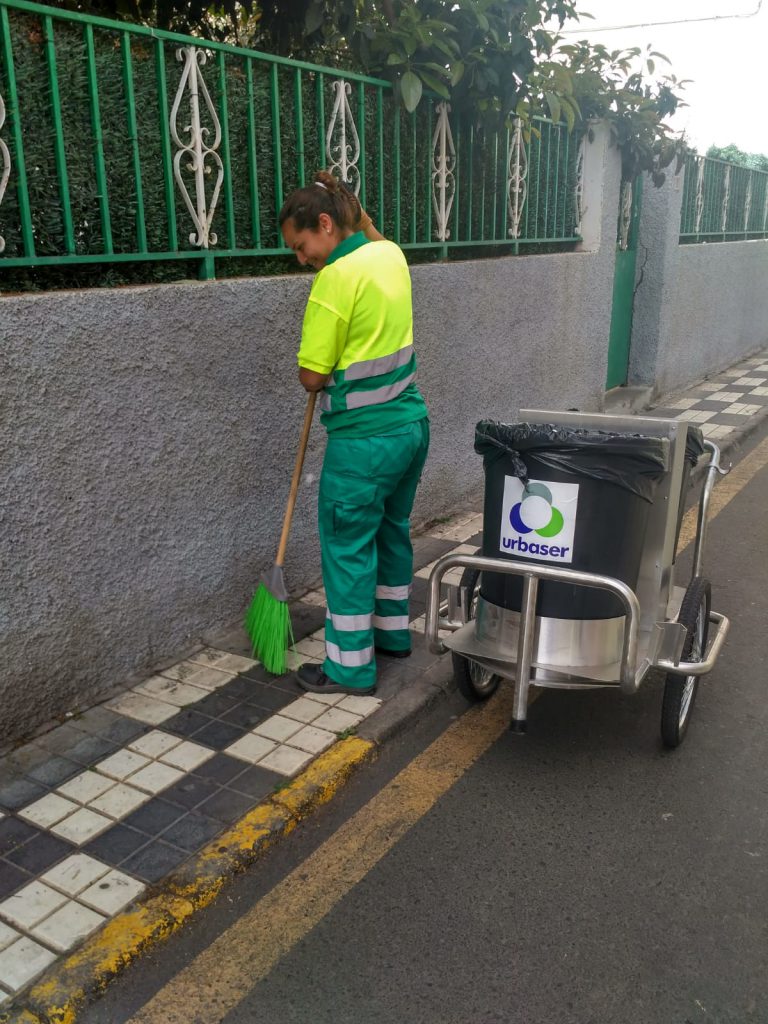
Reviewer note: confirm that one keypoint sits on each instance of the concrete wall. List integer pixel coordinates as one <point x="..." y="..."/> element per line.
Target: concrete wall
<point x="149" y="436"/>
<point x="698" y="308"/>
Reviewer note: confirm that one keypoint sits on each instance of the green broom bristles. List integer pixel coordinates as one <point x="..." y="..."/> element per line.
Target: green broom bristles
<point x="268" y="625"/>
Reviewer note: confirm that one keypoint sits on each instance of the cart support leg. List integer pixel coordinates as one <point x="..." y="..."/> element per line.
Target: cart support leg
<point x="519" y="721"/>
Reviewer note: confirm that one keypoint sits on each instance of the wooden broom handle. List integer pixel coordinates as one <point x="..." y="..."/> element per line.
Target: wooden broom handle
<point x="296" y="477"/>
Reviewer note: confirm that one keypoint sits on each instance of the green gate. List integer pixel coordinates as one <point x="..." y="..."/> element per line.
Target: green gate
<point x="624" y="283"/>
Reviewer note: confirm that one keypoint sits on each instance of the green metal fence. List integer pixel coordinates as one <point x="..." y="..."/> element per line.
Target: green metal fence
<point x="723" y="202"/>
<point x="124" y="144"/>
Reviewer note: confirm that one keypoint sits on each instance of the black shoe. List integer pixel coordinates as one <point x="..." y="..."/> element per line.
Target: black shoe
<point x="393" y="654"/>
<point x="314" y="680"/>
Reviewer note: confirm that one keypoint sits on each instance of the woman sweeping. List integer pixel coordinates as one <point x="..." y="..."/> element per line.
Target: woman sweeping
<point x="357" y="349"/>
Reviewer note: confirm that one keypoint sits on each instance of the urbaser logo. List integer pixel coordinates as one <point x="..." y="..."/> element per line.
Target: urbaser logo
<point x="538" y="519"/>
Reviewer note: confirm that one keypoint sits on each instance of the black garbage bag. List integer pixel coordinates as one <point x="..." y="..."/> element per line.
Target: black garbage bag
<point x="631" y="461"/>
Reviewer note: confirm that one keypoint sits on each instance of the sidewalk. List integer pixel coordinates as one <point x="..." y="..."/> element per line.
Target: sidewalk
<point x="126" y="818"/>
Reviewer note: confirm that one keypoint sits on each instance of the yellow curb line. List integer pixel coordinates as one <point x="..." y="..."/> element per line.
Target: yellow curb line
<point x="70" y="985"/>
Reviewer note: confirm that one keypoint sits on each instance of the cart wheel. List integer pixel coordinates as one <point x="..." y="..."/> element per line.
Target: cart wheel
<point x="475" y="682"/>
<point x="680" y="691"/>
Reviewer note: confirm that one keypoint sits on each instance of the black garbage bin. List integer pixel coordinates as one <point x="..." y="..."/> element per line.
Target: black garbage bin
<point x="566" y="497"/>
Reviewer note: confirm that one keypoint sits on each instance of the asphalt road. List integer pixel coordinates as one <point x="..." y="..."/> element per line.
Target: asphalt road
<point x="577" y="875"/>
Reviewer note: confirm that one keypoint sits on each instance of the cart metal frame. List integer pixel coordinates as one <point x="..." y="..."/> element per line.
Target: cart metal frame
<point x="652" y="636"/>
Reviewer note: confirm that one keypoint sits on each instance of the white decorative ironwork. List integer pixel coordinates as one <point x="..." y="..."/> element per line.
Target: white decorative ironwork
<point x="625" y="214"/>
<point x="5" y="171"/>
<point x="517" y="186"/>
<point x="197" y="148"/>
<point x="699" y="194"/>
<point x="443" y="167"/>
<point x="726" y="198"/>
<point x="578" y="191"/>
<point x="342" y="153"/>
<point x="748" y="203"/>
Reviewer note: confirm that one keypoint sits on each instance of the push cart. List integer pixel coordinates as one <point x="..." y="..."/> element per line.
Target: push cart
<point x="569" y="628"/>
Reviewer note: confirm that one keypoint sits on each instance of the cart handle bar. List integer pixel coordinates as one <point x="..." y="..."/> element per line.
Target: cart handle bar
<point x="700" y="668"/>
<point x="629" y="678"/>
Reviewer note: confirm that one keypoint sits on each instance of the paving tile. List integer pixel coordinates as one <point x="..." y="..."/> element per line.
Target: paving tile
<point x="47" y="811"/>
<point x="68" y="926"/>
<point x="54" y="771"/>
<point x="30" y="905"/>
<point x="303" y="710"/>
<point x="86" y="786"/>
<point x="360" y="705"/>
<point x="286" y="760"/>
<point x="256" y="782"/>
<point x="226" y="806"/>
<point x="187" y="756"/>
<point x="112" y="892"/>
<point x="119" y="801"/>
<point x="39" y="853"/>
<point x="216" y="704"/>
<point x="22" y="961"/>
<point x="155" y="861"/>
<point x="60" y="740"/>
<point x="14" y="832"/>
<point x="334" y="720"/>
<point x="268" y="696"/>
<point x="75" y="873"/>
<point x="221" y="768"/>
<point x="170" y="691"/>
<point x="154" y="817"/>
<point x="95" y="720"/>
<point x="245" y="715"/>
<point x="91" y="749"/>
<point x="7" y="935"/>
<point x="278" y="728"/>
<point x="311" y="647"/>
<point x="19" y="792"/>
<point x="81" y="826"/>
<point x="218" y="735"/>
<point x="11" y="878"/>
<point x="725" y="396"/>
<point x="312" y="740"/>
<point x="187" y="672"/>
<point x="156" y="777"/>
<point x="250" y="748"/>
<point x="190" y="791"/>
<point x="122" y="764"/>
<point x="187" y="722"/>
<point x="117" y="843"/>
<point x="752" y="382"/>
<point x="192" y="831"/>
<point x="124" y="729"/>
<point x="27" y="757"/>
<point x="153" y="744"/>
<point x="328" y="699"/>
<point x="222" y="660"/>
<point x="145" y="709"/>
<point x="762" y="392"/>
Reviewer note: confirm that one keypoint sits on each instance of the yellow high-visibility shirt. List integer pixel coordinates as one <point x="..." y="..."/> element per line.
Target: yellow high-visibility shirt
<point x="358" y="326"/>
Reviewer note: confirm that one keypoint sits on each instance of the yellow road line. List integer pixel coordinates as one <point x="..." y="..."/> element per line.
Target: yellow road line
<point x="223" y="974"/>
<point x="725" y="491"/>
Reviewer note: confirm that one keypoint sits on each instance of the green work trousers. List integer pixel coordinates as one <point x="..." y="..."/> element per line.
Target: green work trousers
<point x="366" y="495"/>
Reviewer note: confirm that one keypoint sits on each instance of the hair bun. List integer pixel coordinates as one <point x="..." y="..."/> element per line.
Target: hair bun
<point x="327" y="180"/>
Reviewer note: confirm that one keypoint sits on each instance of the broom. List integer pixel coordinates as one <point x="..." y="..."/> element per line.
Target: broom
<point x="268" y="619"/>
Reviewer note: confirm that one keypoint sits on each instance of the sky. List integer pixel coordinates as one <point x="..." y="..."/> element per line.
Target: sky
<point x="725" y="59"/>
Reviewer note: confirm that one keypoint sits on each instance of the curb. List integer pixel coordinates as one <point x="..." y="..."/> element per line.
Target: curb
<point x="59" y="995"/>
<point x="73" y="984"/>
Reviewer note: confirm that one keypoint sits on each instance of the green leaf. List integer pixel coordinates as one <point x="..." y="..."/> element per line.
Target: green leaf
<point x="435" y="84"/>
<point x="410" y="89"/>
<point x="457" y="72"/>
<point x="554" y="105"/>
<point x="395" y="58"/>
<point x="314" y="18"/>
